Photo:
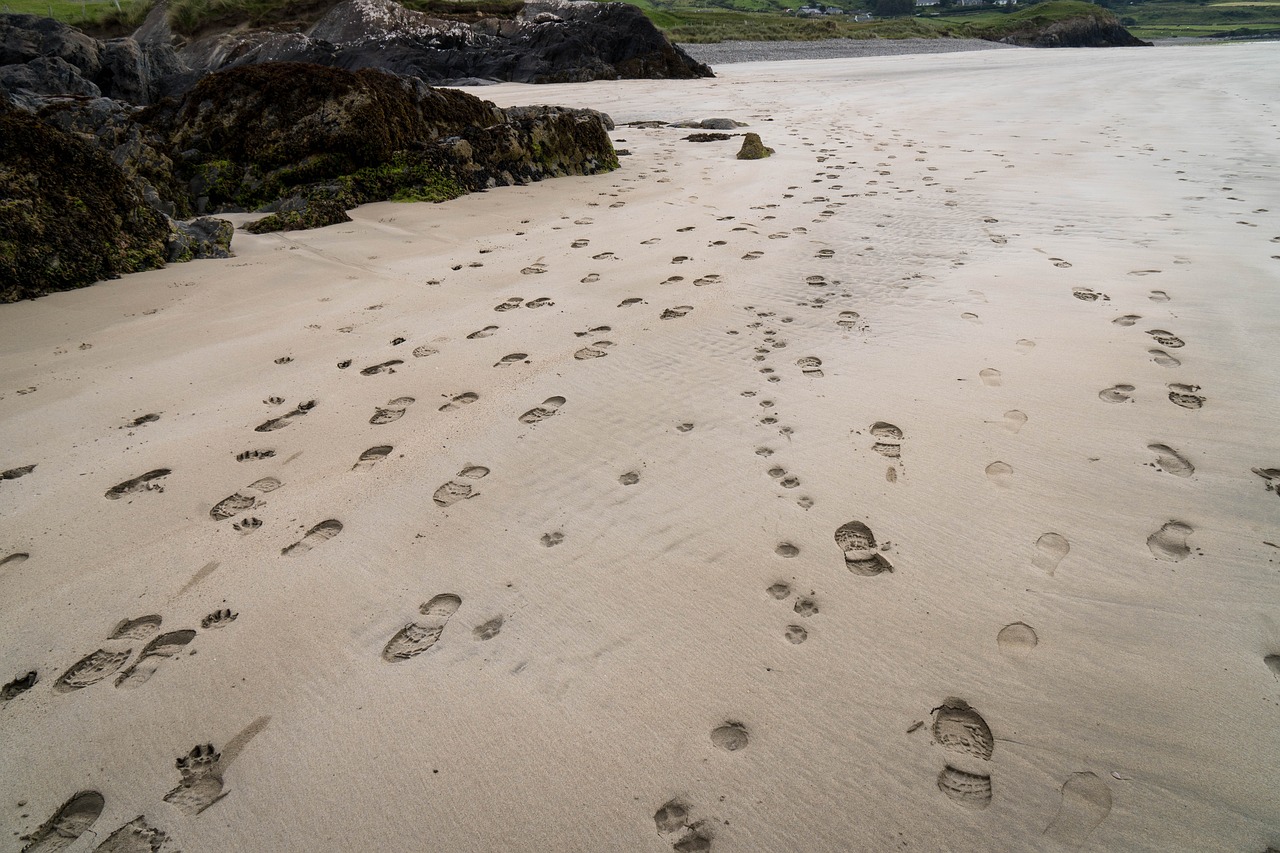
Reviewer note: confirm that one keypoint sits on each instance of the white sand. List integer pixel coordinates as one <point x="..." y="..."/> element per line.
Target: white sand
<point x="962" y="198"/>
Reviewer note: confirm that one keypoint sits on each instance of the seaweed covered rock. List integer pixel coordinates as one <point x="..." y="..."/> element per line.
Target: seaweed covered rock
<point x="753" y="148"/>
<point x="68" y="215"/>
<point x="548" y="41"/>
<point x="305" y="143"/>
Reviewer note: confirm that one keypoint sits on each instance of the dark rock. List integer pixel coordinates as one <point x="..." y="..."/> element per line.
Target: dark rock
<point x="46" y="57"/>
<point x="710" y="124"/>
<point x="708" y="137"/>
<point x="305" y="143"/>
<point x="47" y="75"/>
<point x="201" y="238"/>
<point x="753" y="148"/>
<point x="1097" y="27"/>
<point x="69" y="216"/>
<point x="549" y="41"/>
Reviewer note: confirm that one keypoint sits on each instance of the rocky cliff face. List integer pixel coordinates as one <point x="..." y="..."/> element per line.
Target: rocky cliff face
<point x="549" y="41"/>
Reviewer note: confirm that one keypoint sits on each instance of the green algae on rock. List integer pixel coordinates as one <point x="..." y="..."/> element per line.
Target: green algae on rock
<point x="753" y="148"/>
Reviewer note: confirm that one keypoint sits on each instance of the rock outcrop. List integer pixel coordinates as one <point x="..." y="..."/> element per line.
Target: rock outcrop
<point x="68" y="215"/>
<point x="1077" y="32"/>
<point x="41" y="57"/>
<point x="91" y="188"/>
<point x="308" y="142"/>
<point x="548" y="41"/>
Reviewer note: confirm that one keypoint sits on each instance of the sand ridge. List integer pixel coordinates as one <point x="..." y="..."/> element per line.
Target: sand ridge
<point x="892" y="491"/>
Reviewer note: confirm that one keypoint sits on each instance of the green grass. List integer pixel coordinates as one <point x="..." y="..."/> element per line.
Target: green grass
<point x="710" y="21"/>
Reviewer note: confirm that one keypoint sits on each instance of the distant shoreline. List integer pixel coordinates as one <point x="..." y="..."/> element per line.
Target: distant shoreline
<point x="724" y="53"/>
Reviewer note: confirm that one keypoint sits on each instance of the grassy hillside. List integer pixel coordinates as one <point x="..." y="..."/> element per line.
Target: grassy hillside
<point x="692" y="21"/>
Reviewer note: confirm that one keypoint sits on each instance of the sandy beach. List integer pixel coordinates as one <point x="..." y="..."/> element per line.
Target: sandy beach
<point x="895" y="492"/>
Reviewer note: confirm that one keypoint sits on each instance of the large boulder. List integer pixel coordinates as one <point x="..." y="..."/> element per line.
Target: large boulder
<point x="549" y="41"/>
<point x="305" y="143"/>
<point x="68" y="215"/>
<point x="43" y="57"/>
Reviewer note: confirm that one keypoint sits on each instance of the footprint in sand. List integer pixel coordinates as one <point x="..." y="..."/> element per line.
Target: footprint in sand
<point x="810" y="366"/>
<point x="1271" y="476"/>
<point x="536" y="268"/>
<point x="888" y="440"/>
<point x="971" y="317"/>
<point x="384" y="367"/>
<point x="153" y="655"/>
<point x="1158" y="296"/>
<point x="1017" y="640"/>
<point x="219" y="619"/>
<point x="415" y="638"/>
<point x="593" y="331"/>
<point x="1166" y="339"/>
<point x="511" y="358"/>
<point x="848" y="319"/>
<point x="676" y="312"/>
<point x="1163" y="358"/>
<point x="825" y="254"/>
<point x="18" y="686"/>
<point x="1127" y="319"/>
<point x="627" y="303"/>
<point x="141" y="483"/>
<point x="672" y="821"/>
<point x="1116" y="394"/>
<point x="795" y="634"/>
<point x="1087" y="294"/>
<point x="580" y="243"/>
<point x="590" y="278"/>
<point x="510" y="304"/>
<point x="630" y="478"/>
<point x="959" y="728"/>
<point x="540" y="302"/>
<point x="372" y="457"/>
<point x="596" y="350"/>
<point x="67" y="824"/>
<point x="731" y="737"/>
<point x="1051" y="549"/>
<point x="457" y="402"/>
<point x="136" y="836"/>
<point x="249" y="455"/>
<point x="201" y="780"/>
<point x="91" y="669"/>
<point x="805" y="607"/>
<point x="247" y="525"/>
<point x="453" y="491"/>
<point x="424" y="351"/>
<point x="551" y="540"/>
<point x="482" y="333"/>
<point x="1170" y="541"/>
<point x="488" y="630"/>
<point x="394" y="410"/>
<point x="1013" y="420"/>
<point x="1185" y="396"/>
<point x="858" y="545"/>
<point x="1060" y="263"/>
<point x="322" y="532"/>
<point x="970" y="790"/>
<point x="1025" y="344"/>
<point x="540" y="413"/>
<point x="287" y="418"/>
<point x="1086" y="802"/>
<point x="990" y="377"/>
<point x="1000" y="473"/>
<point x="753" y="255"/>
<point x="1171" y="461"/>
<point x="243" y="500"/>
<point x="603" y="256"/>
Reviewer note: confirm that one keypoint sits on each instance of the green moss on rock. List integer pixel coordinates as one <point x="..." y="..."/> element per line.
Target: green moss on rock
<point x="753" y="148"/>
<point x="69" y="215"/>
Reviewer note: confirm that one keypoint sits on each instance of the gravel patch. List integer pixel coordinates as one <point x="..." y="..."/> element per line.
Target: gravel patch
<point x="727" y="52"/>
